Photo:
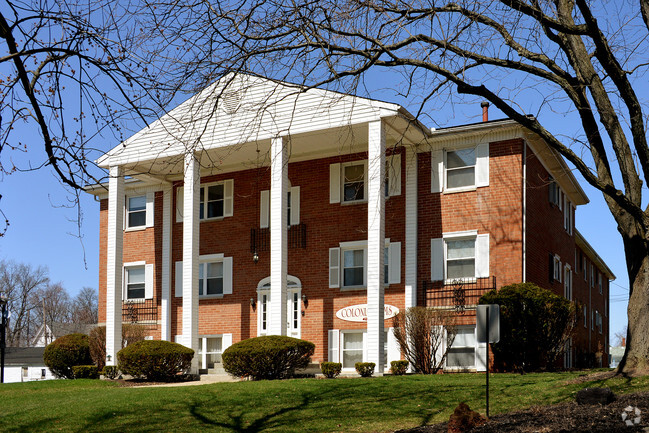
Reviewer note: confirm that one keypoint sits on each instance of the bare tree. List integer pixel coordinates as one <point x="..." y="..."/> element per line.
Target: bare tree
<point x="19" y="283"/>
<point x="68" y="72"/>
<point x="54" y="307"/>
<point x="85" y="308"/>
<point x="585" y="60"/>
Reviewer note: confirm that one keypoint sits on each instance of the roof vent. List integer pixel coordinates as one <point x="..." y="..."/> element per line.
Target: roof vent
<point x="231" y="101"/>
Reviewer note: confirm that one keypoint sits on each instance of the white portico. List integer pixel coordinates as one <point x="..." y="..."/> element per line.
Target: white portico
<point x="225" y="129"/>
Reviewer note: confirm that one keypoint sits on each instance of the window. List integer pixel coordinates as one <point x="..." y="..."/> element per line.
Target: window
<point x="216" y="200"/>
<point x="352" y="348"/>
<point x="553" y="191"/>
<point x="209" y="351"/>
<point x="210" y="279"/>
<point x="212" y="198"/>
<point x="567" y="282"/>
<point x="567" y="214"/>
<point x="348" y="264"/>
<point x="292" y="208"/>
<point x="460" y="255"/>
<point x="598" y="321"/>
<point x="584" y="267"/>
<point x="214" y="276"/>
<point x="599" y="283"/>
<point x="462" y="351"/>
<point x="263" y="313"/>
<point x="460" y="168"/>
<point x="136" y="211"/>
<point x="555" y="271"/>
<point x="592" y="275"/>
<point x="585" y="317"/>
<point x="135" y="282"/>
<point x="353" y="183"/>
<point x="354" y="268"/>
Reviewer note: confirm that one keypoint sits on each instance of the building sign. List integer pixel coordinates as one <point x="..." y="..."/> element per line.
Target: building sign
<point x="358" y="313"/>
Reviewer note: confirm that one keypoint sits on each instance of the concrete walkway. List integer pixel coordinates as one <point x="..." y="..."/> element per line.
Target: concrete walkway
<point x="205" y="379"/>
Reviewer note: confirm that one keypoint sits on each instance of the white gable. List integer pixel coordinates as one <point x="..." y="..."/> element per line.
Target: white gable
<point x="240" y="109"/>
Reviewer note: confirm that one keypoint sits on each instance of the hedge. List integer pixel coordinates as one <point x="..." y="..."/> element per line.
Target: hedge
<point x="331" y="369"/>
<point x="65" y="352"/>
<point x="154" y="359"/>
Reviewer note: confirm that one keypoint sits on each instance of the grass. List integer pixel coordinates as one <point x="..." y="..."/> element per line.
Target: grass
<point x="301" y="405"/>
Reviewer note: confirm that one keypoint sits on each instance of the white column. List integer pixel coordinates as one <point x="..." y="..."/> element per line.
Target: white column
<point x="190" y="255"/>
<point x="165" y="325"/>
<point x="115" y="242"/>
<point x="411" y="227"/>
<point x="375" y="243"/>
<point x="278" y="236"/>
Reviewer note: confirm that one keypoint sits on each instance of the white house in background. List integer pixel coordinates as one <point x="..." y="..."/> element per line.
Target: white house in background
<point x="25" y="364"/>
<point x="46" y="333"/>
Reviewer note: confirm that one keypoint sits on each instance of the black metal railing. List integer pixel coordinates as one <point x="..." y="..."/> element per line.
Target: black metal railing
<point x="140" y="312"/>
<point x="260" y="238"/>
<point x="460" y="294"/>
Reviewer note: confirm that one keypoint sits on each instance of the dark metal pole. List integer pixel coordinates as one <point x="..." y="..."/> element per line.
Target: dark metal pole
<point x="487" y="361"/>
<point x="2" y="340"/>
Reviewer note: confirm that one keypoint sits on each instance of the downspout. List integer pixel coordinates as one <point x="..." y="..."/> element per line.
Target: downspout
<point x="524" y="211"/>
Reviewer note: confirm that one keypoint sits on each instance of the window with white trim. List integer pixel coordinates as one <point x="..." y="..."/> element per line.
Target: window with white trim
<point x="462" y="352"/>
<point x="354" y="182"/>
<point x="556" y="268"/>
<point x="584" y="267"/>
<point x="585" y="317"/>
<point x="353" y="347"/>
<point x="567" y="214"/>
<point x="460" y="168"/>
<point x="567" y="282"/>
<point x="214" y="276"/>
<point x="348" y="264"/>
<point x="210" y="278"/>
<point x="599" y="283"/>
<point x="292" y="208"/>
<point x="460" y="255"/>
<point x="135" y="282"/>
<point x="212" y="201"/>
<point x="136" y="211"/>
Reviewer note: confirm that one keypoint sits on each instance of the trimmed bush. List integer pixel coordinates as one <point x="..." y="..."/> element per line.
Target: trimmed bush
<point x="85" y="372"/>
<point x="365" y="369"/>
<point x="267" y="357"/>
<point x="131" y="333"/>
<point x="331" y="369"/>
<point x="399" y="368"/>
<point x="65" y="352"/>
<point x="154" y="359"/>
<point x="110" y="372"/>
<point x="534" y="326"/>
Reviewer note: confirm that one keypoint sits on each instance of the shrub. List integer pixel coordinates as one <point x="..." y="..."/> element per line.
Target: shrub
<point x="331" y="369"/>
<point x="534" y="326"/>
<point x="365" y="369"/>
<point x="85" y="372"/>
<point x="399" y="368"/>
<point x="267" y="357"/>
<point x="154" y="359"/>
<point x="110" y="372"/>
<point x="425" y="336"/>
<point x="130" y="334"/>
<point x="65" y="352"/>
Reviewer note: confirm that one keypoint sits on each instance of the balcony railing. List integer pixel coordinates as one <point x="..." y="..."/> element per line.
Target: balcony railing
<point x="260" y="238"/>
<point x="140" y="312"/>
<point x="459" y="295"/>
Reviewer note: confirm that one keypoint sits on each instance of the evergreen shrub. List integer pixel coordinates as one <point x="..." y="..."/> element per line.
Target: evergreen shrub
<point x="331" y="369"/>
<point x="154" y="359"/>
<point x="65" y="352"/>
<point x="399" y="368"/>
<point x="85" y="372"/>
<point x="365" y="369"/>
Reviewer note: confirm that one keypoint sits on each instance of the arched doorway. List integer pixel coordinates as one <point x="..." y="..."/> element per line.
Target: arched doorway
<point x="293" y="306"/>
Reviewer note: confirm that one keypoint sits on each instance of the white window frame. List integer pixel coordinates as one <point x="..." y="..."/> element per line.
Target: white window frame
<point x="148" y="280"/>
<point x="293" y="208"/>
<point x="210" y="259"/>
<point x="461" y="236"/>
<point x="391" y="249"/>
<point x="204" y="189"/>
<point x="557" y="268"/>
<point x="207" y="258"/>
<point x="567" y="282"/>
<point x="343" y="166"/>
<point x="600" y="283"/>
<point x="202" y="269"/>
<point x="567" y="214"/>
<point x="474" y="347"/>
<point x="128" y="212"/>
<point x="474" y="166"/>
<point x="585" y="317"/>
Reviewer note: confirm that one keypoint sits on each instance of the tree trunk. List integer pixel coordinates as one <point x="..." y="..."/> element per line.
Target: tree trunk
<point x="636" y="354"/>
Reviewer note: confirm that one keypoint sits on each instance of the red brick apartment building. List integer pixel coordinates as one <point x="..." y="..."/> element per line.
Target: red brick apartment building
<point x="273" y="210"/>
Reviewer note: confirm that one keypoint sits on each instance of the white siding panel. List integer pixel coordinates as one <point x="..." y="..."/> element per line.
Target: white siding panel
<point x="334" y="267"/>
<point x="394" y="259"/>
<point x="228" y="205"/>
<point x="148" y="281"/>
<point x="295" y="205"/>
<point x="179" y="279"/>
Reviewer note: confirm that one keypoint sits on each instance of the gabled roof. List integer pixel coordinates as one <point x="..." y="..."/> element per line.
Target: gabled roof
<point x="592" y="255"/>
<point x="242" y="108"/>
<point x="25" y="356"/>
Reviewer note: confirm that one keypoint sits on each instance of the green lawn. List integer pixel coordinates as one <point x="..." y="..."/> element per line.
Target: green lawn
<point x="301" y="405"/>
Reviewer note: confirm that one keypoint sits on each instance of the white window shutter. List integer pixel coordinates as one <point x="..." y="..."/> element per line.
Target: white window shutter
<point x="442" y="344"/>
<point x="179" y="279"/>
<point x="482" y="165"/>
<point x="180" y="197"/>
<point x="264" y="209"/>
<point x="334" y="344"/>
<point x="394" y="265"/>
<point x="228" y="198"/>
<point x="148" y="281"/>
<point x="437" y="259"/>
<point x="226" y="341"/>
<point x="334" y="267"/>
<point x="436" y="170"/>
<point x="334" y="183"/>
<point x="227" y="275"/>
<point x="394" y="175"/>
<point x="295" y="205"/>
<point x="150" y="197"/>
<point x="482" y="256"/>
<point x="394" y="351"/>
